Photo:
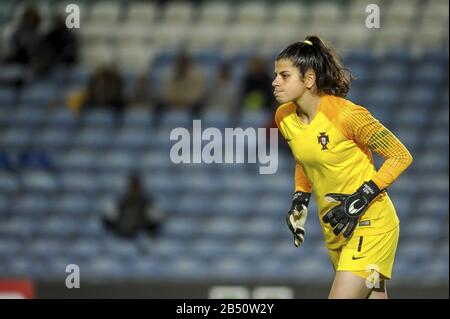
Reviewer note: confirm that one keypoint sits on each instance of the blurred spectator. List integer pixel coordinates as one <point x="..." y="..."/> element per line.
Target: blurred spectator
<point x="142" y="94"/>
<point x="257" y="86"/>
<point x="29" y="45"/>
<point x="224" y="95"/>
<point x="61" y="41"/>
<point x="184" y="87"/>
<point x="105" y="89"/>
<point x="26" y="39"/>
<point x="134" y="212"/>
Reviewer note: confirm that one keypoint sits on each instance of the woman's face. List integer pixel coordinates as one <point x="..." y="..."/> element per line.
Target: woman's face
<point x="288" y="84"/>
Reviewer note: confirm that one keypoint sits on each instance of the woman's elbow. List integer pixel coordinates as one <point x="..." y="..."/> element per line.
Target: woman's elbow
<point x="409" y="159"/>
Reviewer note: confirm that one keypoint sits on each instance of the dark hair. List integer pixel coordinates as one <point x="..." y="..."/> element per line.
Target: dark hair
<point x="312" y="53"/>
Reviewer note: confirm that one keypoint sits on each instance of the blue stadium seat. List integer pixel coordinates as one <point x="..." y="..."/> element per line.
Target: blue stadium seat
<point x="76" y="205"/>
<point x="423" y="227"/>
<point x="35" y="204"/>
<point x="256" y="119"/>
<point x="102" y="119"/>
<point x="9" y="184"/>
<point x="28" y="117"/>
<point x="62" y="117"/>
<point x="437" y="271"/>
<point x="58" y="226"/>
<point x="117" y="161"/>
<point x="10" y="248"/>
<point x="21" y="227"/>
<point x="392" y="73"/>
<point x="404" y="185"/>
<point x="131" y="138"/>
<point x="270" y="205"/>
<point x="54" y="138"/>
<point x="421" y="95"/>
<point x="409" y="136"/>
<point x="11" y="73"/>
<point x="78" y="182"/>
<point x="403" y="203"/>
<point x="182" y="227"/>
<point x="39" y="182"/>
<point x="217" y="119"/>
<point x="382" y="96"/>
<point x="186" y="267"/>
<point x="15" y="138"/>
<point x="242" y="184"/>
<point x="80" y="160"/>
<point x="35" y="158"/>
<point x="44" y="248"/>
<point x="93" y="137"/>
<point x="434" y="204"/>
<point x="20" y="267"/>
<point x="233" y="204"/>
<point x="264" y="228"/>
<point x="412" y="115"/>
<point x="138" y="118"/>
<point x="105" y="267"/>
<point x="430" y="73"/>
<point x="38" y="95"/>
<point x="437" y="137"/>
<point x="84" y="249"/>
<point x="92" y="227"/>
<point x="118" y="247"/>
<point x="431" y="160"/>
<point x="161" y="182"/>
<point x="194" y="204"/>
<point x="251" y="249"/>
<point x="232" y="267"/>
<point x="173" y="119"/>
<point x="220" y="227"/>
<point x="154" y="161"/>
<point x="160" y="139"/>
<point x="312" y="270"/>
<point x="112" y="184"/>
<point x="146" y="268"/>
<point x="209" y="249"/>
<point x="167" y="248"/>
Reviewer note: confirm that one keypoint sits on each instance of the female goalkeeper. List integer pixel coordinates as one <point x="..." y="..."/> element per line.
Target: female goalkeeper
<point x="331" y="140"/>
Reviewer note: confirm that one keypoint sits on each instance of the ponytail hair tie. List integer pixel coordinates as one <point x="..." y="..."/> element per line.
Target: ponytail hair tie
<point x="308" y="42"/>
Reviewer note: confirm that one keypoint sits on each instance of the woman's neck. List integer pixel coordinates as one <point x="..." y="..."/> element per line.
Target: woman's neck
<point x="307" y="107"/>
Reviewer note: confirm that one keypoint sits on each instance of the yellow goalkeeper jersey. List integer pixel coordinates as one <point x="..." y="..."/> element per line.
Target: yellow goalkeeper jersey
<point x="333" y="155"/>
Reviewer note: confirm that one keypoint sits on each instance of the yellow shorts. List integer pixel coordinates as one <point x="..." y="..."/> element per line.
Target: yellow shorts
<point x="363" y="255"/>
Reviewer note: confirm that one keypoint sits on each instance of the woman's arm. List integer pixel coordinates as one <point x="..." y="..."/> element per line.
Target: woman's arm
<point x="364" y="129"/>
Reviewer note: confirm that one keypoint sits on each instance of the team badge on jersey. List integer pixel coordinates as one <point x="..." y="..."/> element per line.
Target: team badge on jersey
<point x="323" y="140"/>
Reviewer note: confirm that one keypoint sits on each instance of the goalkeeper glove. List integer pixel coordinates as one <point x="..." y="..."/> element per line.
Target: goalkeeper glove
<point x="296" y="218"/>
<point x="351" y="207"/>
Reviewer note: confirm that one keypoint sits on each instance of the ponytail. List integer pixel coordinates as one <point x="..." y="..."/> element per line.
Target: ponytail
<point x="313" y="54"/>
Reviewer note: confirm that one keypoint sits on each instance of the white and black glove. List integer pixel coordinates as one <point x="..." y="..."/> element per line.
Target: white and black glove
<point x="296" y="218"/>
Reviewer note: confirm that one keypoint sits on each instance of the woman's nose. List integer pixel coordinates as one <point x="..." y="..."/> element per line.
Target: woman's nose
<point x="274" y="83"/>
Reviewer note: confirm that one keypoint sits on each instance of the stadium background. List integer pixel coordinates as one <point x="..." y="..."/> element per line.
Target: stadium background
<point x="223" y="224"/>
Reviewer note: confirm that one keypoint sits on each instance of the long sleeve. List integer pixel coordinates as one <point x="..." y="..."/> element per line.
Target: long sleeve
<point x="302" y="183"/>
<point x="364" y="129"/>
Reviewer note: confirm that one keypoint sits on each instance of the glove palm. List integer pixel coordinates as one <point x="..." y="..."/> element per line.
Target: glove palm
<point x="347" y="213"/>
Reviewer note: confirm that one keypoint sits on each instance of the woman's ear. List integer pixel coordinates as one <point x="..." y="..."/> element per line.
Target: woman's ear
<point x="310" y="79"/>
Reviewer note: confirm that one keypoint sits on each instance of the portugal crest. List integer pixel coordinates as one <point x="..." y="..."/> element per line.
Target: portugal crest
<point x="323" y="140"/>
